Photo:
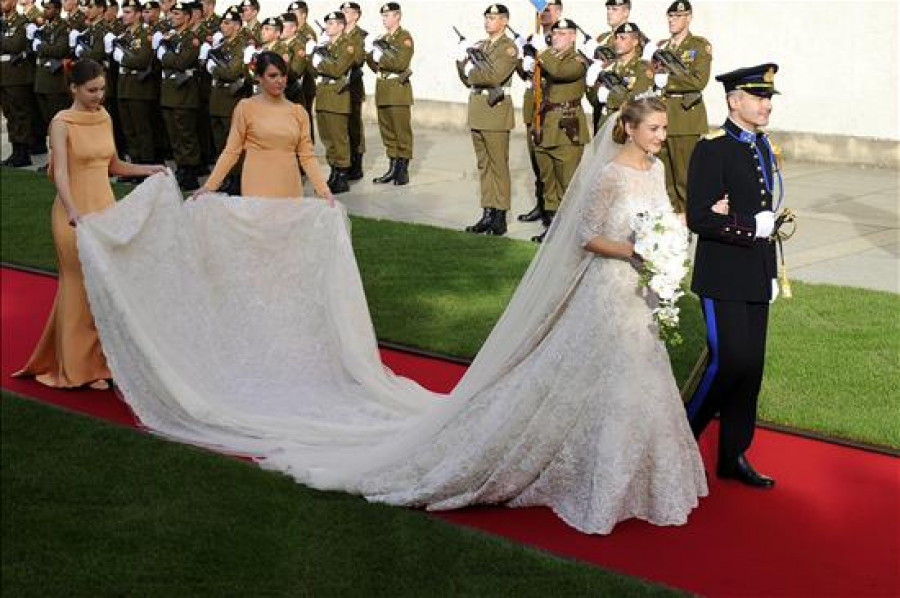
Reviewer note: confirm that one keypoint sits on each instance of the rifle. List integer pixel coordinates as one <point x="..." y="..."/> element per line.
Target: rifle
<point x="320" y="26"/>
<point x="119" y="43"/>
<point x="389" y="48"/>
<point x="603" y="53"/>
<point x="670" y="61"/>
<point x="84" y="40"/>
<point x="476" y="55"/>
<point x="612" y="81"/>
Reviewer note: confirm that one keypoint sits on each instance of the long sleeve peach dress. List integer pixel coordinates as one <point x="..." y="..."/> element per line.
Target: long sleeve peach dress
<point x="68" y="354"/>
<point x="274" y="135"/>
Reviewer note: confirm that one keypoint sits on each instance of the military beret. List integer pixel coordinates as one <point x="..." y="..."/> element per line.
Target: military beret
<point x="288" y="17"/>
<point x="95" y="3"/>
<point x="111" y="3"/>
<point x="151" y="4"/>
<point x="758" y="80"/>
<point x="564" y="25"/>
<point x="336" y="16"/>
<point x="628" y="28"/>
<point x="618" y="2"/>
<point x="232" y="14"/>
<point x="250" y="3"/>
<point x="680" y="6"/>
<point x="496" y="9"/>
<point x="553" y="3"/>
<point x="389" y="7"/>
<point x="272" y="22"/>
<point x="298" y="5"/>
<point x="56" y="3"/>
<point x="354" y="5"/>
<point x="180" y="6"/>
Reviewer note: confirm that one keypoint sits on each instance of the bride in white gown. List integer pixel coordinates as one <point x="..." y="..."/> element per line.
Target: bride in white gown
<point x="243" y="325"/>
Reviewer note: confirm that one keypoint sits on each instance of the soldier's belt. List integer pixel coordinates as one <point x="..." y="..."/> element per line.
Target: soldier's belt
<point x="386" y="75"/>
<point x="482" y="90"/>
<point x="569" y="105"/>
<point x="125" y="71"/>
<point x="327" y="79"/>
<point x="173" y="74"/>
<point x="6" y="57"/>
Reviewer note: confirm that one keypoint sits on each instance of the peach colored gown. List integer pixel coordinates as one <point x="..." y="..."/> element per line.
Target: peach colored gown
<point x="68" y="354"/>
<point x="274" y="135"/>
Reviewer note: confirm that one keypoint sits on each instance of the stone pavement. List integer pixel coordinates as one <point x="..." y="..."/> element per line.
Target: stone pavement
<point x="848" y="217"/>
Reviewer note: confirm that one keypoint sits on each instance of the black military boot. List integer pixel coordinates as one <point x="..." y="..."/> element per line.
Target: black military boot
<point x="339" y="184"/>
<point x="38" y="148"/>
<point x="188" y="180"/>
<point x="355" y="172"/>
<point x="388" y="176"/>
<point x="19" y="156"/>
<point x="537" y="212"/>
<point x="402" y="176"/>
<point x="484" y="224"/>
<point x="498" y="224"/>
<point x="331" y="176"/>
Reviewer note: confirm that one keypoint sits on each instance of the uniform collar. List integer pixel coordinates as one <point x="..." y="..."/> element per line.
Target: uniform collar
<point x="740" y="133"/>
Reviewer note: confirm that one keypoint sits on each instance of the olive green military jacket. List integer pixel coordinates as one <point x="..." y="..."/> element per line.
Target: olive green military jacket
<point x="564" y="122"/>
<point x="277" y="46"/>
<point x="17" y="66"/>
<point x="502" y="58"/>
<point x="308" y="80"/>
<point x="638" y="78"/>
<point x="49" y="76"/>
<point x="77" y="21"/>
<point x="209" y="25"/>
<point x="227" y="78"/>
<point x="528" y="101"/>
<point x="179" y="76"/>
<point x="137" y="80"/>
<point x="254" y="33"/>
<point x="389" y="91"/>
<point x="357" y="87"/>
<point x="35" y="15"/>
<point x="116" y="26"/>
<point x="305" y="32"/>
<point x="332" y="71"/>
<point x="94" y="49"/>
<point x="683" y="94"/>
<point x="297" y="63"/>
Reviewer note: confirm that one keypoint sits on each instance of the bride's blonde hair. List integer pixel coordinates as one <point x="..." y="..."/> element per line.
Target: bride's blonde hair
<point x="634" y="112"/>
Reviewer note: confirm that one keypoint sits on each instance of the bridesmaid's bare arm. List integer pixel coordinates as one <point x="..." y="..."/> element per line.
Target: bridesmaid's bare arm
<point x="118" y="167"/>
<point x="59" y="157"/>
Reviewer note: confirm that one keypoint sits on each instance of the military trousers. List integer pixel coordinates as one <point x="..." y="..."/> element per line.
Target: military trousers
<point x="16" y="104"/>
<point x="48" y="105"/>
<point x="538" y="184"/>
<point x="736" y="339"/>
<point x="181" y="124"/>
<point x="356" y="128"/>
<point x="676" y="155"/>
<point x="308" y="100"/>
<point x="333" y="131"/>
<point x="395" y="123"/>
<point x="492" y="156"/>
<point x="557" y="165"/>
<point x="137" y="123"/>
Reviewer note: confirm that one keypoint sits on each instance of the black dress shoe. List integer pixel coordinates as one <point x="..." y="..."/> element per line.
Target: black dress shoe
<point x="401" y="176"/>
<point x="388" y="176"/>
<point x="540" y="238"/>
<point x="534" y="215"/>
<point x="355" y="172"/>
<point x="742" y="471"/>
<point x="498" y="224"/>
<point x="484" y="224"/>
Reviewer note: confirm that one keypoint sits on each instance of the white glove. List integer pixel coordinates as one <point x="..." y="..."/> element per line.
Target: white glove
<point x="765" y="223"/>
<point x="521" y="42"/>
<point x="210" y="67"/>
<point x="602" y="95"/>
<point x="73" y="37"/>
<point x="660" y="80"/>
<point x="589" y="47"/>
<point x="377" y="53"/>
<point x="156" y="39"/>
<point x="249" y="53"/>
<point x="30" y="30"/>
<point x="79" y="50"/>
<point x="204" y="51"/>
<point x="118" y="55"/>
<point x="317" y="60"/>
<point x="369" y="44"/>
<point x="528" y="64"/>
<point x="324" y="39"/>
<point x="107" y="42"/>
<point x="592" y="73"/>
<point x="539" y="42"/>
<point x="160" y="53"/>
<point x="36" y="45"/>
<point x="461" y="51"/>
<point x="649" y="50"/>
<point x="217" y="39"/>
<point x="775" y="291"/>
<point x="468" y="69"/>
<point x="310" y="46"/>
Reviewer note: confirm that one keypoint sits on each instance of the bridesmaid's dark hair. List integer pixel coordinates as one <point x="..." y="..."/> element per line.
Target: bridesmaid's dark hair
<point x="266" y="58"/>
<point x="83" y="71"/>
<point x="634" y="112"/>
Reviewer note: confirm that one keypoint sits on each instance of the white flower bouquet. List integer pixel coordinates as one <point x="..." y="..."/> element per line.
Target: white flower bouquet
<point x="661" y="239"/>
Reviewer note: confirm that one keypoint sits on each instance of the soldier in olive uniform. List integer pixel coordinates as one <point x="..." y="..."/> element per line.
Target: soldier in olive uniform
<point x="180" y="97"/>
<point x="306" y="36"/>
<point x="50" y="45"/>
<point x="683" y="95"/>
<point x="204" y="25"/>
<point x="114" y="28"/>
<point x="491" y="116"/>
<point x="249" y="14"/>
<point x="560" y="141"/>
<point x="389" y="58"/>
<point x="16" y="84"/>
<point x="32" y="12"/>
<point x="357" y="90"/>
<point x="138" y="88"/>
<point x="530" y="48"/>
<point x="295" y="57"/>
<point x="332" y="61"/>
<point x="634" y="71"/>
<point x="271" y="36"/>
<point x="617" y="13"/>
<point x="73" y="14"/>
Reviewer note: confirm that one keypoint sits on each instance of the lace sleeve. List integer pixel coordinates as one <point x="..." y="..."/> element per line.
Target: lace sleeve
<point x="595" y="213"/>
<point x="660" y="196"/>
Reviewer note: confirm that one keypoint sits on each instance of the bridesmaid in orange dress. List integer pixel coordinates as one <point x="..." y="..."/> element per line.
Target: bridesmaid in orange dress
<point x="274" y="132"/>
<point x="82" y="156"/>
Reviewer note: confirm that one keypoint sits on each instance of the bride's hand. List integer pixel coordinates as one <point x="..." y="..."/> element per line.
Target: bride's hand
<point x="722" y="206"/>
<point x="204" y="190"/>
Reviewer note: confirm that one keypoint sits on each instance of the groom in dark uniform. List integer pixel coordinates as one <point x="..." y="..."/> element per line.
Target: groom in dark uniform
<point x="734" y="169"/>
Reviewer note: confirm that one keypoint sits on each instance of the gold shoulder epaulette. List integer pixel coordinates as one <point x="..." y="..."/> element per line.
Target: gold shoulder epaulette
<point x="714" y="134"/>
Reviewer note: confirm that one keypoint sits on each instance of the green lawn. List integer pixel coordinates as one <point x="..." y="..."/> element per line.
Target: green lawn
<point x="90" y="509"/>
<point x="834" y="352"/>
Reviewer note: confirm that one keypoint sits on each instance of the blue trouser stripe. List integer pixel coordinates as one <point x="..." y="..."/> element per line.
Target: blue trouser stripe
<point x="712" y="338"/>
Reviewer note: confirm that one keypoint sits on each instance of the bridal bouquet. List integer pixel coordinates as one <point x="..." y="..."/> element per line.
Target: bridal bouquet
<point x="662" y="240"/>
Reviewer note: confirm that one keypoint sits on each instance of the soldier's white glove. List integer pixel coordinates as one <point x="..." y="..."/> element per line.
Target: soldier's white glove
<point x="468" y="69"/>
<point x="204" y="51"/>
<point x="118" y="55"/>
<point x="156" y="39"/>
<point x="521" y="42"/>
<point x="592" y="73"/>
<point x="317" y="60"/>
<point x="217" y="39"/>
<point x="649" y="50"/>
<point x="210" y="67"/>
<point x="589" y="47"/>
<point x="602" y="95"/>
<point x="369" y="44"/>
<point x="324" y="39"/>
<point x="73" y="37"/>
<point x="161" y="52"/>
<point x="775" y="291"/>
<point x="462" y="53"/>
<point x="249" y="53"/>
<point x="108" y="41"/>
<point x="528" y="64"/>
<point x="377" y="53"/>
<point x="36" y="45"/>
<point x="765" y="223"/>
<point x="660" y="80"/>
<point x="538" y="42"/>
<point x="79" y="50"/>
<point x="310" y="45"/>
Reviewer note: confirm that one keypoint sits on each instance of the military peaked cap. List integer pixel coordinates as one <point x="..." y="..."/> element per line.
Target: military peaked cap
<point x="758" y="80"/>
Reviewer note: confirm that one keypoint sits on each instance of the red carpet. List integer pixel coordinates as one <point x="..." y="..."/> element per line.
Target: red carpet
<point x="830" y="528"/>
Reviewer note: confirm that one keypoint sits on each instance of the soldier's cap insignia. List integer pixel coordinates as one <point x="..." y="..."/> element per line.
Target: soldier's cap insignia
<point x="497" y="9"/>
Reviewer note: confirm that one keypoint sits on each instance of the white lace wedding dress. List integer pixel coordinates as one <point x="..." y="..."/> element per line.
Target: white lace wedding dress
<point x="242" y="324"/>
